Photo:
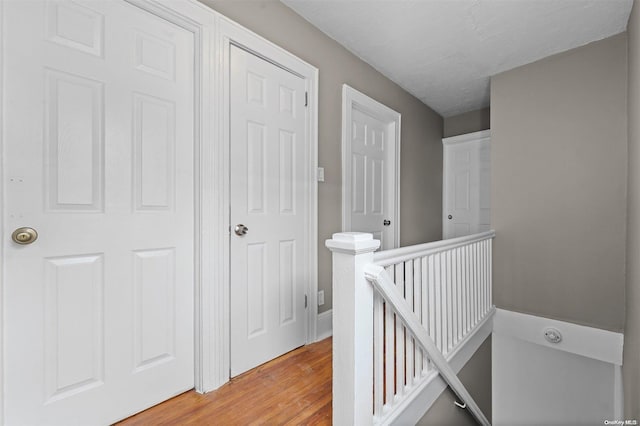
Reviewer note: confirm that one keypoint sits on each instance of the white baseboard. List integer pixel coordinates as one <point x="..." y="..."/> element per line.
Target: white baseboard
<point x="590" y="342"/>
<point x="325" y="325"/>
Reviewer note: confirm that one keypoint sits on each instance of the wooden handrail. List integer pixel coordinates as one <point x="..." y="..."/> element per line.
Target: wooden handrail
<point x="377" y="275"/>
<point x="393" y="256"/>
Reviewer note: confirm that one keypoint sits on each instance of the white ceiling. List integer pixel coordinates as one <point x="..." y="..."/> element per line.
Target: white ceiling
<point x="444" y="51"/>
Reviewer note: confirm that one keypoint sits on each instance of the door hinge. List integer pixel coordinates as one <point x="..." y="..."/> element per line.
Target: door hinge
<point x="305" y="301"/>
<point x="306" y="98"/>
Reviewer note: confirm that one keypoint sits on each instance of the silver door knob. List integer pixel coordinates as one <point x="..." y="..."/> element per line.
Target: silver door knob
<point x="24" y="235"/>
<point x="241" y="229"/>
<point x="386" y="222"/>
<point x="449" y="217"/>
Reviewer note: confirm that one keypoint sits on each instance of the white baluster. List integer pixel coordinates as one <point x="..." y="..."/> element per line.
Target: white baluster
<point x="449" y="303"/>
<point x="459" y="326"/>
<point x="408" y="339"/>
<point x="485" y="294"/>
<point x="465" y="290"/>
<point x="390" y="351"/>
<point x="400" y="356"/>
<point x="481" y="284"/>
<point x="473" y="284"/>
<point x="469" y="288"/>
<point x="417" y="303"/>
<point x="485" y="278"/>
<point x="490" y="273"/>
<point x="378" y="354"/>
<point x="456" y="292"/>
<point x="478" y="280"/>
<point x="426" y="321"/>
<point x="400" y="333"/>
<point x="438" y="302"/>
<point x="431" y="297"/>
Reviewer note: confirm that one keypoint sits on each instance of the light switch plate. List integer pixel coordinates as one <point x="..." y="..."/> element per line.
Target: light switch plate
<point x="320" y="174"/>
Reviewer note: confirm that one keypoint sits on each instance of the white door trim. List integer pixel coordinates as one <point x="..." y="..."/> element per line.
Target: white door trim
<point x="231" y="33"/>
<point x="469" y="137"/>
<point x="350" y="98"/>
<point x="194" y="17"/>
<point x="3" y="234"/>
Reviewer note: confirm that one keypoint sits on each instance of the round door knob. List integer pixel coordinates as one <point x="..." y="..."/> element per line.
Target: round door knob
<point x="24" y="235"/>
<point x="449" y="217"/>
<point x="241" y="229"/>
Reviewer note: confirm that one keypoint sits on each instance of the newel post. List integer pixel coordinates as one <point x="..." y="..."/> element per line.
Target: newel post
<point x="352" y="328"/>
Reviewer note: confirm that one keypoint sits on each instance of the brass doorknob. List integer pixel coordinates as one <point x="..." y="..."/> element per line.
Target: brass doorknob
<point x="24" y="235"/>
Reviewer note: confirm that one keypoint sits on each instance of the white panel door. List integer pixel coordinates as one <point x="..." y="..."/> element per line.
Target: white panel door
<point x="370" y="167"/>
<point x="98" y="157"/>
<point x="267" y="194"/>
<point x="466" y="187"/>
<point x="372" y="183"/>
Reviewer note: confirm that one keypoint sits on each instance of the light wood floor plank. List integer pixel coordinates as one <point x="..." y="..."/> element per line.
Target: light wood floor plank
<point x="294" y="389"/>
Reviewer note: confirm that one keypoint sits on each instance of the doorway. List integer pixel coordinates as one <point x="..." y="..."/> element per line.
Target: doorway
<point x="370" y="168"/>
<point x="466" y="184"/>
<point x="269" y="268"/>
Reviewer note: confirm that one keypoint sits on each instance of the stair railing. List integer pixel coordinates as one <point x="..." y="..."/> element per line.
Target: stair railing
<point x="399" y="316"/>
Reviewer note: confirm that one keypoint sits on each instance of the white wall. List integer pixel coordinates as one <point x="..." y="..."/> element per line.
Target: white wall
<point x="577" y="381"/>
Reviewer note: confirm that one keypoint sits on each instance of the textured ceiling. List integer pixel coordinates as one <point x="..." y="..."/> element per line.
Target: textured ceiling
<point x="444" y="51"/>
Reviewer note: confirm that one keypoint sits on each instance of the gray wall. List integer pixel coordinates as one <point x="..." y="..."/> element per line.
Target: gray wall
<point x="476" y="377"/>
<point x="631" y="363"/>
<point x="559" y="146"/>
<point x="421" y="147"/>
<point x="468" y="122"/>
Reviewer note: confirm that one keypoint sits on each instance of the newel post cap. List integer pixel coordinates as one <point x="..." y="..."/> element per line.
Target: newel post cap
<point x="352" y="243"/>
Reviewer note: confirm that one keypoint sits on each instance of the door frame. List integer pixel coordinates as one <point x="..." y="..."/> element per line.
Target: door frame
<point x="3" y="234"/>
<point x="231" y="33"/>
<point x="352" y="98"/>
<point x="475" y="137"/>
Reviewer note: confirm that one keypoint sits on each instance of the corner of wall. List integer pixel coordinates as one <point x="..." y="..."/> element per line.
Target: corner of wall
<point x="631" y="356"/>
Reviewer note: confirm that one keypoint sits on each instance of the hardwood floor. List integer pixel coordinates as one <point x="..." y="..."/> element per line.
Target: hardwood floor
<point x="294" y="389"/>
